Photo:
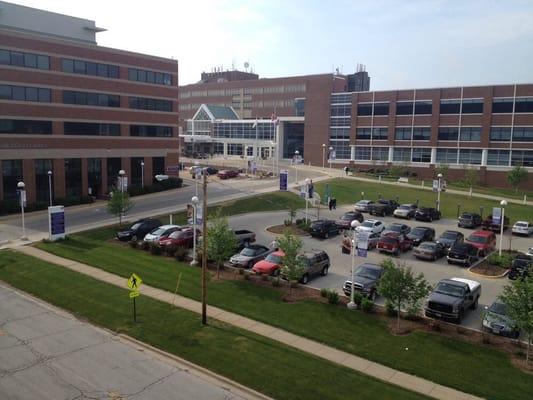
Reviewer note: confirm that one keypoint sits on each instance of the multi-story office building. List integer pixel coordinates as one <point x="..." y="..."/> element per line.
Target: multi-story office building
<point x="79" y="110"/>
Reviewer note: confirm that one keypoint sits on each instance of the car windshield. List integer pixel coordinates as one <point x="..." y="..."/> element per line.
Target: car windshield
<point x="448" y="235"/>
<point x="362" y="202"/>
<point x="387" y="239"/>
<point x="418" y="232"/>
<point x="248" y="252"/>
<point x="395" y="228"/>
<point x="477" y="239"/>
<point x="498" y="308"/>
<point x="368" y="224"/>
<point x="317" y="225"/>
<point x="273" y="258"/>
<point x="405" y="207"/>
<point x="367" y="272"/>
<point x="427" y="246"/>
<point x="449" y="289"/>
<point x="348" y="217"/>
<point x="135" y="226"/>
<point x="175" y="234"/>
<point x="158" y="231"/>
<point x="520" y="224"/>
<point x="466" y="216"/>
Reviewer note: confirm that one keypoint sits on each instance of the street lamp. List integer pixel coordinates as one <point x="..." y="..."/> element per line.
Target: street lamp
<point x="503" y="203"/>
<point x="296" y="154"/>
<point x="50" y="186"/>
<point x="354" y="224"/>
<point x="142" y="174"/>
<point x="195" y="201"/>
<point x="439" y="188"/>
<point x="307" y="182"/>
<point x="22" y="198"/>
<point x="121" y="174"/>
<point x="323" y="155"/>
<point x="330" y="150"/>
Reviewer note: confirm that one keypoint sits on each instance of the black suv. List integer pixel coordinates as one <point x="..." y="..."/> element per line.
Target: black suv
<point x="315" y="262"/>
<point x="323" y="228"/>
<point x="421" y="234"/>
<point x="427" y="214"/>
<point x="469" y="220"/>
<point x="450" y="238"/>
<point x="520" y="267"/>
<point x="463" y="253"/>
<point x="383" y="207"/>
<point x="138" y="230"/>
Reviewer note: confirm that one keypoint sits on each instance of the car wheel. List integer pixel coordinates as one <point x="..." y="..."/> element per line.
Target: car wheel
<point x="305" y="279"/>
<point x="516" y="334"/>
<point x="326" y="235"/>
<point x="372" y="295"/>
<point x="325" y="270"/>
<point x="134" y="238"/>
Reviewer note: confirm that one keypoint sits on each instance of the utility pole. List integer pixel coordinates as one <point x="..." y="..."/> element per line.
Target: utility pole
<point x="204" y="252"/>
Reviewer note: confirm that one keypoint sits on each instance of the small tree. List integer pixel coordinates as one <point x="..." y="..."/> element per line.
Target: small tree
<point x="470" y="177"/>
<point x="119" y="204"/>
<point x="518" y="298"/>
<point x="292" y="265"/>
<point x="516" y="176"/>
<point x="442" y="169"/>
<point x="221" y="240"/>
<point x="402" y="288"/>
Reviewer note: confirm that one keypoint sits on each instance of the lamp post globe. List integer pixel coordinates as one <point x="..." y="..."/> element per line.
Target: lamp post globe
<point x="354" y="224"/>
<point x="122" y="172"/>
<point x="21" y="185"/>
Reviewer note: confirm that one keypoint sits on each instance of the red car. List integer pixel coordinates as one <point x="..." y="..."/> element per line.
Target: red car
<point x="181" y="238"/>
<point x="394" y="243"/>
<point x="228" y="173"/>
<point x="484" y="241"/>
<point x="270" y="265"/>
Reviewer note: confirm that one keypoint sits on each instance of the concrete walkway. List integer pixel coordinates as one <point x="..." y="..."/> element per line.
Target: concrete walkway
<point x="358" y="364"/>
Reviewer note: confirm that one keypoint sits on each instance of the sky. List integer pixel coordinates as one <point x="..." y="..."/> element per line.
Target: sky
<point x="403" y="43"/>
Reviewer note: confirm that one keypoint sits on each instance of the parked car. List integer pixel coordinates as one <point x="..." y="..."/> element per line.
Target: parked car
<point x="452" y="297"/>
<point x="244" y="237"/>
<point x="397" y="228"/>
<point x="520" y="267"/>
<point x="421" y="234"/>
<point x="529" y="252"/>
<point x="371" y="225"/>
<point x="161" y="232"/>
<point x="489" y="225"/>
<point x="383" y="207"/>
<point x="270" y="265"/>
<point x="429" y="251"/>
<point x="323" y="228"/>
<point x="484" y="241"/>
<point x="394" y="243"/>
<point x="427" y="214"/>
<point x="211" y="170"/>
<point x="449" y="238"/>
<point x="522" y="228"/>
<point x="497" y="321"/>
<point x="363" y="205"/>
<point x="405" y="211"/>
<point x="464" y="254"/>
<point x="138" y="230"/>
<point x="181" y="238"/>
<point x="315" y="262"/>
<point x="366" y="279"/>
<point x="469" y="220"/>
<point x="250" y="255"/>
<point x="345" y="221"/>
<point x="227" y="173"/>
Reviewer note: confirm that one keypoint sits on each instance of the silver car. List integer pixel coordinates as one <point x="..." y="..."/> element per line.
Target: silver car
<point x="363" y="205"/>
<point x="250" y="255"/>
<point x="162" y="232"/>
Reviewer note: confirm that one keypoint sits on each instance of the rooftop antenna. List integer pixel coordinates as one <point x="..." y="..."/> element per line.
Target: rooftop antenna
<point x="246" y="65"/>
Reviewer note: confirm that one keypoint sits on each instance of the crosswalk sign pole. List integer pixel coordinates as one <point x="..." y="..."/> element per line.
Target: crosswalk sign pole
<point x="134" y="311"/>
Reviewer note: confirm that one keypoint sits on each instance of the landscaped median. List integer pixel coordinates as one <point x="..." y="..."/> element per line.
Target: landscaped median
<point x="454" y="363"/>
<point x="252" y="360"/>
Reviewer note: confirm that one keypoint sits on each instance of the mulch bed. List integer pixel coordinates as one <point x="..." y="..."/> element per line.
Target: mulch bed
<point x="484" y="268"/>
<point x="279" y="229"/>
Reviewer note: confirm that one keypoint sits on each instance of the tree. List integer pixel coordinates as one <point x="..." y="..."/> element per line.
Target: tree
<point x="221" y="240"/>
<point x="442" y="169"/>
<point x="402" y="288"/>
<point x="470" y="177"/>
<point x="119" y="204"/>
<point x="516" y="176"/>
<point x="292" y="264"/>
<point x="518" y="298"/>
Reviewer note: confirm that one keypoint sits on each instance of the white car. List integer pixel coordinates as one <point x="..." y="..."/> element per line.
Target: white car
<point x="161" y="232"/>
<point x="371" y="225"/>
<point x="529" y="252"/>
<point x="522" y="228"/>
<point x="405" y="211"/>
<point x="362" y="206"/>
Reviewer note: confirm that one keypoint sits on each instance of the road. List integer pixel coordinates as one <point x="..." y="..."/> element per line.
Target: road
<point x="46" y="353"/>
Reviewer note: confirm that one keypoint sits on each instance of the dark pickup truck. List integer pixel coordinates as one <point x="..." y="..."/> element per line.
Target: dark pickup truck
<point x="451" y="298"/>
<point x="488" y="224"/>
<point x="383" y="207"/>
<point x="366" y="279"/>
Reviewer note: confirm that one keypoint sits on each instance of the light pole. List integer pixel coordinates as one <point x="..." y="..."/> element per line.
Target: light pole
<point x="296" y="154"/>
<point x="121" y="174"/>
<point x="354" y="224"/>
<point x="196" y="168"/>
<point x="503" y="203"/>
<point x="307" y="182"/>
<point x="195" y="201"/>
<point x="439" y="188"/>
<point x="50" y="186"/>
<point x="330" y="150"/>
<point x="142" y="174"/>
<point x="323" y="155"/>
<point x="22" y="198"/>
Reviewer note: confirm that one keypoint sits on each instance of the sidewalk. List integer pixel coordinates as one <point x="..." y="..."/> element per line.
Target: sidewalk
<point x="358" y="364"/>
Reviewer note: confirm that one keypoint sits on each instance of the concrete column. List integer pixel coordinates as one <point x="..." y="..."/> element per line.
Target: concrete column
<point x="103" y="183"/>
<point x="433" y="156"/>
<point x="84" y="177"/>
<point x="484" y="156"/>
<point x="59" y="178"/>
<point x="352" y="152"/>
<point x="148" y="175"/>
<point x="28" y="176"/>
<point x="391" y="154"/>
<point x="225" y="151"/>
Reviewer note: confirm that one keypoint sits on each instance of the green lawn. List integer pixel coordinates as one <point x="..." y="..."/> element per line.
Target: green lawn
<point x="255" y="361"/>
<point x="348" y="191"/>
<point x="449" y="362"/>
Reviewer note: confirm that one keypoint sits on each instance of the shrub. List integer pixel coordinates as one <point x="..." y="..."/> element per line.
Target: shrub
<point x="133" y="244"/>
<point x="503" y="261"/>
<point x="170" y="250"/>
<point x="304" y="225"/>
<point x="391" y="310"/>
<point x="435" y="325"/>
<point x="264" y="277"/>
<point x="293" y="284"/>
<point x="247" y="275"/>
<point x="367" y="305"/>
<point x="287" y="222"/>
<point x="357" y="297"/>
<point x="324" y="292"/>
<point x="155" y="249"/>
<point x="240" y="271"/>
<point x="145" y="245"/>
<point x="333" y="297"/>
<point x="276" y="283"/>
<point x="180" y="253"/>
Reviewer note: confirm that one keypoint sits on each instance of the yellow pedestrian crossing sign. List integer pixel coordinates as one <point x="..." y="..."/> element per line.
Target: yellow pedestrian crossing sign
<point x="134" y="282"/>
<point x="134" y="293"/>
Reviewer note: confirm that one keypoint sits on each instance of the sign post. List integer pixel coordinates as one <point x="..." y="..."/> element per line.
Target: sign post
<point x="56" y="222"/>
<point x="134" y="284"/>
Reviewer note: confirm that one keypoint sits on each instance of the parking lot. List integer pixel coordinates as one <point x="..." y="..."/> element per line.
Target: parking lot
<point x="341" y="263"/>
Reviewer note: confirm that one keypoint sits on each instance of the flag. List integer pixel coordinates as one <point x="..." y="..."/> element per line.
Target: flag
<point x="255" y="124"/>
<point x="274" y="119"/>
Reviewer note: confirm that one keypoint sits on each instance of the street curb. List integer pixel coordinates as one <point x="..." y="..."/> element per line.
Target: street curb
<point x="232" y="386"/>
<point x="485" y="276"/>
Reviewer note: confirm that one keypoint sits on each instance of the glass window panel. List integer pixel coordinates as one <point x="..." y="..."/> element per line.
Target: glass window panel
<point x="403" y="133"/>
<point x="363" y="133"/>
<point x="423" y="107"/>
<point x="18" y="93"/>
<point x="401" y="154"/>
<point x="381" y="108"/>
<point x="498" y="157"/>
<point x="43" y="62"/>
<point x="79" y="67"/>
<point x="5" y="57"/>
<point x="450" y="106"/>
<point x="524" y="105"/>
<point x="470" y="134"/>
<point x="67" y="65"/>
<point x="92" y="68"/>
<point x="30" y="60"/>
<point x="472" y="106"/>
<point x="5" y="92"/>
<point x="32" y="94"/>
<point x="404" y="108"/>
<point x="17" y="58"/>
<point x="502" y="106"/>
<point x="448" y="133"/>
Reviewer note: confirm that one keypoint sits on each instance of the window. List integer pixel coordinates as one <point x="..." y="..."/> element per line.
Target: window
<point x="450" y="106"/>
<point x="500" y="133"/>
<point x="89" y="68"/>
<point x="363" y="133"/>
<point x="470" y="134"/>
<point x="92" y="129"/>
<point x="22" y="93"/>
<point x="423" y="107"/>
<point x="523" y="134"/>
<point x="364" y="109"/>
<point x="421" y="155"/>
<point x="448" y="133"/>
<point x="235" y="149"/>
<point x="28" y="60"/>
<point x="144" y="103"/>
<point x="341" y="148"/>
<point x="401" y="154"/>
<point x="446" y="156"/>
<point x="150" y="130"/>
<point x="524" y="105"/>
<point x="94" y="176"/>
<point x="153" y="77"/>
<point x="11" y="176"/>
<point x="472" y="106"/>
<point x="9" y="126"/>
<point x="421" y="133"/>
<point x="380" y="133"/>
<point x="502" y="106"/>
<point x="337" y="98"/>
<point x="91" y="99"/>
<point x="340" y="121"/>
<point x="522" y="157"/>
<point x="73" y="177"/>
<point x="339" y="133"/>
<point x="470" y="156"/>
<point x="403" y="133"/>
<point x="380" y="153"/>
<point x="381" y="108"/>
<point x="498" y="157"/>
<point x="341" y="110"/>
<point x="362" y="153"/>
<point x="299" y="107"/>
<point x="404" y="108"/>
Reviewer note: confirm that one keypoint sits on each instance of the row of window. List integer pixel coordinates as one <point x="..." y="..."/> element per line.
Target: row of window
<point x="89" y="68"/>
<point x="144" y="103"/>
<point x="246" y="130"/>
<point x="20" y="59"/>
<point x="24" y="93"/>
<point x="295" y="88"/>
<point x="468" y="134"/>
<point x="507" y="105"/>
<point x="10" y="126"/>
<point x="141" y="75"/>
<point x="372" y="133"/>
<point x="91" y="99"/>
<point x="518" y="133"/>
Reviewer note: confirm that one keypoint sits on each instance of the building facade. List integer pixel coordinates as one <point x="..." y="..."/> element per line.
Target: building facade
<point x="79" y="110"/>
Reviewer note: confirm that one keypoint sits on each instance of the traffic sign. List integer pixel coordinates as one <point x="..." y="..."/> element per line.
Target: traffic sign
<point x="134" y="293"/>
<point x="134" y="282"/>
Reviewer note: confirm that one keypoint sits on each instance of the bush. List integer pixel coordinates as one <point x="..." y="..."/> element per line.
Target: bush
<point x="391" y="310"/>
<point x="333" y="297"/>
<point x="276" y="283"/>
<point x="180" y="253"/>
<point x="324" y="292"/>
<point x="357" y="297"/>
<point x="287" y="222"/>
<point x="145" y="245"/>
<point x="303" y="224"/>
<point x="367" y="305"/>
<point x="264" y="277"/>
<point x="247" y="275"/>
<point x="170" y="183"/>
<point x="503" y="261"/>
<point x="155" y="249"/>
<point x="133" y="244"/>
<point x="169" y="250"/>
